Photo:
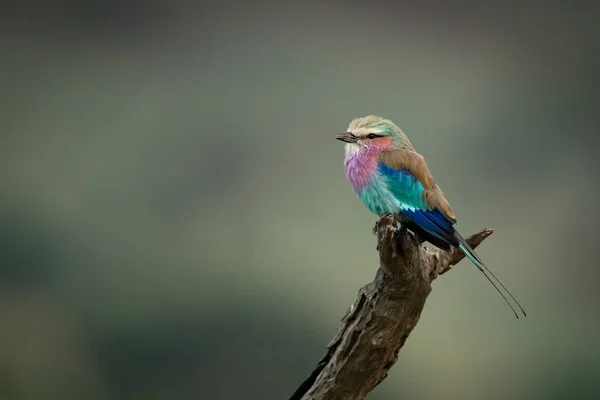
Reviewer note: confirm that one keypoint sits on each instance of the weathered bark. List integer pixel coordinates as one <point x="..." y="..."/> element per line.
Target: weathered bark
<point x="379" y="321"/>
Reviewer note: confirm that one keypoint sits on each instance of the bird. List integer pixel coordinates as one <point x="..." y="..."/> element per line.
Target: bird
<point x="390" y="177"/>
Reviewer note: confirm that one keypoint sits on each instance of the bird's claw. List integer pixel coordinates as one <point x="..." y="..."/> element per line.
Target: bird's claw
<point x="383" y="220"/>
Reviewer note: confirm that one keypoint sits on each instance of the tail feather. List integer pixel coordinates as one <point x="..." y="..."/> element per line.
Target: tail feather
<point x="471" y="255"/>
<point x="425" y="235"/>
<point x="438" y="229"/>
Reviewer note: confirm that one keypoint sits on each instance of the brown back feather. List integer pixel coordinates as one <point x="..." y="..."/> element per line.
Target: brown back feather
<point x="416" y="165"/>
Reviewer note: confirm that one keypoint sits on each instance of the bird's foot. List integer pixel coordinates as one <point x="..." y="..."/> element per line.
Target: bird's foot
<point x="385" y="218"/>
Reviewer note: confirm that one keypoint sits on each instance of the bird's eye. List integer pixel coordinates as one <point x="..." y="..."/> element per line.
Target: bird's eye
<point x="372" y="136"/>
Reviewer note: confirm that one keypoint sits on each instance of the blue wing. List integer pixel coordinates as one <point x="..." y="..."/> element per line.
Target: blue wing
<point x="409" y="192"/>
<point x="432" y="224"/>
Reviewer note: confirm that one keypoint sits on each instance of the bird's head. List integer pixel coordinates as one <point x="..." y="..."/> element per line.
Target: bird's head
<point x="373" y="133"/>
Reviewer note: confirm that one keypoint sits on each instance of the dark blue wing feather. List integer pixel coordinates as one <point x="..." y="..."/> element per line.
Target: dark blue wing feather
<point x="434" y="223"/>
<point x="409" y="191"/>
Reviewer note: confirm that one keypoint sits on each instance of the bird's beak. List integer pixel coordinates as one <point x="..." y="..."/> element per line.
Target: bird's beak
<point x="346" y="137"/>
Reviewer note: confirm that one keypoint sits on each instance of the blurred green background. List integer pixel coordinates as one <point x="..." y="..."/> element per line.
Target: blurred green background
<point x="175" y="222"/>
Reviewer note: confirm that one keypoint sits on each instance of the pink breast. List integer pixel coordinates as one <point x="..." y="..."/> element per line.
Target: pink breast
<point x="360" y="167"/>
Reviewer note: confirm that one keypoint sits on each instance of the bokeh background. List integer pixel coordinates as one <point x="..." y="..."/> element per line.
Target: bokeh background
<point x="175" y="222"/>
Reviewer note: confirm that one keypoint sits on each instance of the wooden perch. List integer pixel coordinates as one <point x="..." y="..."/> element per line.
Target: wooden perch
<point x="379" y="321"/>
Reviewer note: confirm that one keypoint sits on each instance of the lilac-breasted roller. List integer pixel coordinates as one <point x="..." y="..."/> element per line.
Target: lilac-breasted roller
<point x="390" y="177"/>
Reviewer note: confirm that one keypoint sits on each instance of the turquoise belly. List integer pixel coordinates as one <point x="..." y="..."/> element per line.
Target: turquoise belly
<point x="378" y="198"/>
<point x="392" y="190"/>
